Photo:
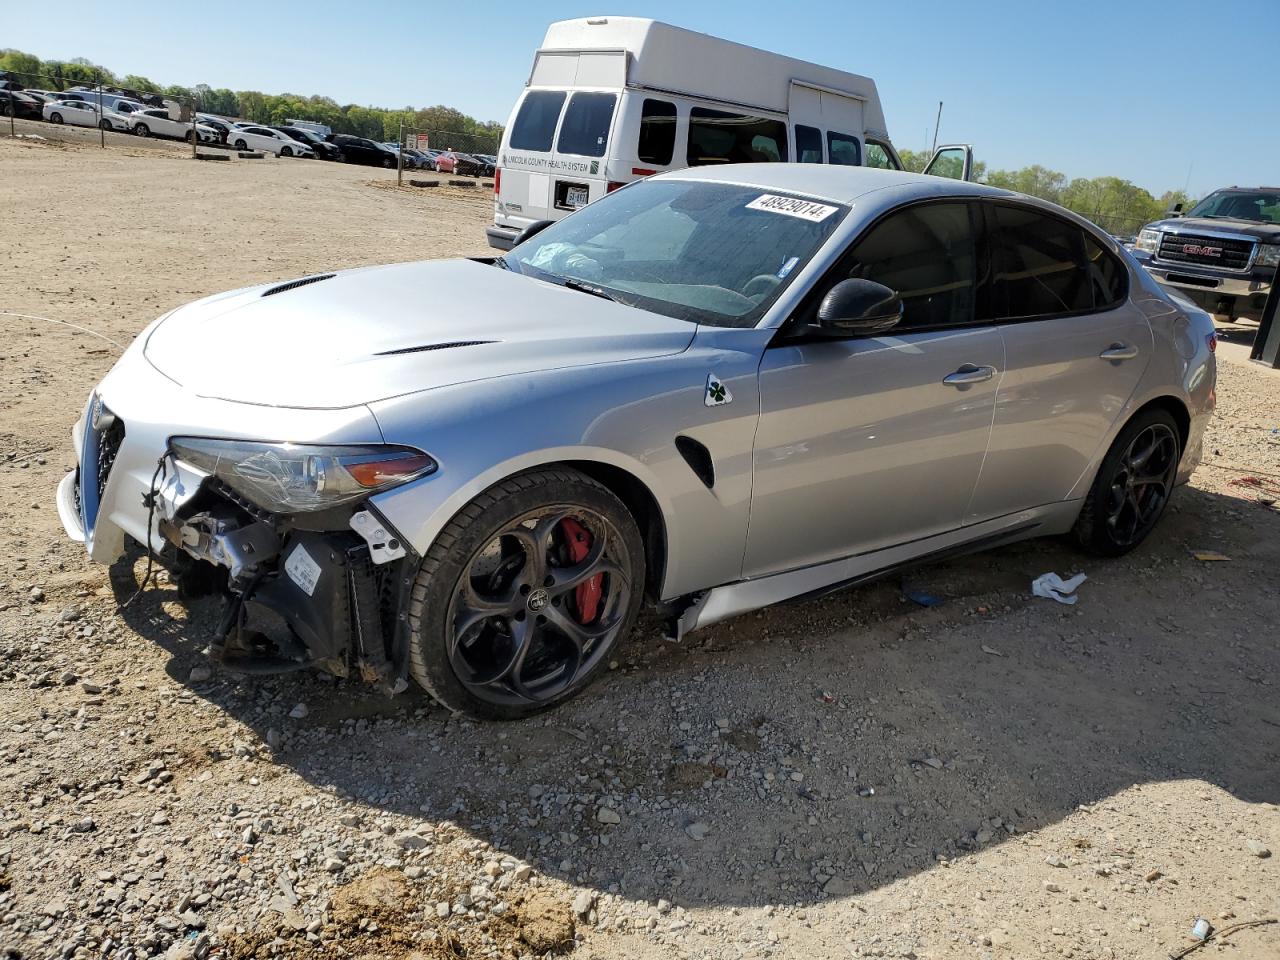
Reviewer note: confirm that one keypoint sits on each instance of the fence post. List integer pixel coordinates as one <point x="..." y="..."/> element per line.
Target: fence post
<point x="11" y="110"/>
<point x="400" y="157"/>
<point x="195" y="136"/>
<point x="102" y="109"/>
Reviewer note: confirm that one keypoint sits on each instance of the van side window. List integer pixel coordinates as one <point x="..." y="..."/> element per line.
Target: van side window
<point x="878" y="156"/>
<point x="536" y="122"/>
<point x="719" y="137"/>
<point x="657" y="132"/>
<point x="844" y="149"/>
<point x="586" y="124"/>
<point x="809" y="144"/>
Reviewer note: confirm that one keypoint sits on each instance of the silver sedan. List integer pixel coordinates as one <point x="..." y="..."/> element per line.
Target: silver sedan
<point x="713" y="390"/>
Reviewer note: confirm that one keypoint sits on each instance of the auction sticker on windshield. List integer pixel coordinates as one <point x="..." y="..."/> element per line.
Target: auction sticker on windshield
<point x="791" y="207"/>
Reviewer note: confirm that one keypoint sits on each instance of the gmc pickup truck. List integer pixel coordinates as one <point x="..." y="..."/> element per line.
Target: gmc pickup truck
<point x="1223" y="254"/>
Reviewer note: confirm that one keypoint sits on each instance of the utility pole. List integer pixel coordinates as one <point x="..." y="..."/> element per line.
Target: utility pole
<point x="937" y="123"/>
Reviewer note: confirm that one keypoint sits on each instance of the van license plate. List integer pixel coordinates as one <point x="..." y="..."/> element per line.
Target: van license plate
<point x="575" y="197"/>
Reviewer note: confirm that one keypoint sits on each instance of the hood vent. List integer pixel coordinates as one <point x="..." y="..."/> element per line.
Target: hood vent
<point x="434" y="346"/>
<point x="294" y="284"/>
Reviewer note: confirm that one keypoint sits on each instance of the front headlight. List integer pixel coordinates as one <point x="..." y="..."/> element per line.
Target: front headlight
<point x="1148" y="241"/>
<point x="299" y="478"/>
<point x="1268" y="255"/>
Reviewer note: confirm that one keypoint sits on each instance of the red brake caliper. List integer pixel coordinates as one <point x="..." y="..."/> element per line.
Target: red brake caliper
<point x="587" y="594"/>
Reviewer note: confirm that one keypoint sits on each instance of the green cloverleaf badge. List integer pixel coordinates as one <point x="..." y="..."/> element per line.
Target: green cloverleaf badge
<point x="717" y="393"/>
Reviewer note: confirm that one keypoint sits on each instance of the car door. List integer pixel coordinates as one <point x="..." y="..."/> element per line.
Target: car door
<point x="1075" y="348"/>
<point x="868" y="442"/>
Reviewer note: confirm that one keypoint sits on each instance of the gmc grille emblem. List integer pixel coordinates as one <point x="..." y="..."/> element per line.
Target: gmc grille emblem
<point x="1195" y="250"/>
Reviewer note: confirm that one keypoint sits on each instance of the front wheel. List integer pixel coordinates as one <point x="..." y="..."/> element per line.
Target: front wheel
<point x="1132" y="487"/>
<point x="524" y="594"/>
<point x="286" y="152"/>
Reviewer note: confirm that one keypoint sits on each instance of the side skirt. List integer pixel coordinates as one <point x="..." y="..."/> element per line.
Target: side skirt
<point x="730" y="600"/>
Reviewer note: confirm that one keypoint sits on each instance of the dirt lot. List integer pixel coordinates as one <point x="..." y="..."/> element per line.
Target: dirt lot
<point x="998" y="776"/>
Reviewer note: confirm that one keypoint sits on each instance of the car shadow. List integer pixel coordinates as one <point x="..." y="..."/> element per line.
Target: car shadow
<point x="828" y="747"/>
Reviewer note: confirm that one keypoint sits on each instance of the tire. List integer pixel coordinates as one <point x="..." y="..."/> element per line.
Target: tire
<point x="1133" y="486"/>
<point x="286" y="152"/>
<point x="189" y="137"/>
<point x="104" y="124"/>
<point x="143" y="130"/>
<point x="241" y="145"/>
<point x="388" y="162"/>
<point x="55" y="117"/>
<point x="489" y="676"/>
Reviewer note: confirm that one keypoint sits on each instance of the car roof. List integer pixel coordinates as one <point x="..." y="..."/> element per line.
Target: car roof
<point x="840" y="184"/>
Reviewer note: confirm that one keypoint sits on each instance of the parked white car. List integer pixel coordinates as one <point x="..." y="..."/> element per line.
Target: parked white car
<point x="82" y="114"/>
<point x="155" y="122"/>
<point x="264" y="138"/>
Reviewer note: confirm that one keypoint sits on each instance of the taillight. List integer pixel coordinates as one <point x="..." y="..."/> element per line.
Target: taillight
<point x="613" y="185"/>
<point x="1211" y="340"/>
<point x="642" y="172"/>
<point x="497" y="181"/>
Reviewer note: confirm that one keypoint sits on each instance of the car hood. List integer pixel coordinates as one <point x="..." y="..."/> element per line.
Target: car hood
<point x="1266" y="232"/>
<point x="370" y="334"/>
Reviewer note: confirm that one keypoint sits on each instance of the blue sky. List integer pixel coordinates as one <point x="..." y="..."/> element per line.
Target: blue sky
<point x="1161" y="93"/>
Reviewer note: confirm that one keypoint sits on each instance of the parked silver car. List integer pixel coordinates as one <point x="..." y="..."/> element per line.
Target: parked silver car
<point x="719" y="388"/>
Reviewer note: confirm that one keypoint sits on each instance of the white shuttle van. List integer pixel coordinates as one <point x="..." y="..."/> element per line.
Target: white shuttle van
<point x="612" y="99"/>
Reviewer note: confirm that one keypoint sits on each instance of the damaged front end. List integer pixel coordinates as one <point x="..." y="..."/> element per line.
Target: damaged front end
<point x="312" y="574"/>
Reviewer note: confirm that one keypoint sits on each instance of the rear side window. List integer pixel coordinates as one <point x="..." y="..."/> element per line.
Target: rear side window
<point x="657" y="132"/>
<point x="585" y="129"/>
<point x="1040" y="265"/>
<point x="719" y="137"/>
<point x="926" y="253"/>
<point x="808" y="144"/>
<point x="844" y="149"/>
<point x="535" y="124"/>
<point x="1107" y="276"/>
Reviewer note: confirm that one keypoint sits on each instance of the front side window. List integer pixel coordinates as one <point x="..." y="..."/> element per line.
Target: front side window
<point x="808" y="144"/>
<point x="535" y="124"/>
<point x="716" y="136"/>
<point x="1040" y="265"/>
<point x="712" y="253"/>
<point x="585" y="129"/>
<point x="928" y="255"/>
<point x="844" y="149"/>
<point x="878" y="156"/>
<point x="657" y="132"/>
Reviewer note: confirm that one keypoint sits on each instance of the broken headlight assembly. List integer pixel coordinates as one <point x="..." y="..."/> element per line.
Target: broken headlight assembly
<point x="301" y="478"/>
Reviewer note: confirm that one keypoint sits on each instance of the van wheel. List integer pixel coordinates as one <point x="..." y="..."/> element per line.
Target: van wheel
<point x="1133" y="485"/>
<point x="524" y="595"/>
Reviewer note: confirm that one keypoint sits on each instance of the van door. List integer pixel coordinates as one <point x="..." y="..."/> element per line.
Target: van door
<point x="836" y="116"/>
<point x="577" y="174"/>
<point x="953" y="160"/>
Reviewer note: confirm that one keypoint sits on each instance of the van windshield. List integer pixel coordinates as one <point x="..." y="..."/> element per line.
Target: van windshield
<point x="712" y="253"/>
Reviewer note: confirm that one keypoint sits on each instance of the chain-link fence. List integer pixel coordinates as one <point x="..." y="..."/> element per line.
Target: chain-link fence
<point x="60" y="101"/>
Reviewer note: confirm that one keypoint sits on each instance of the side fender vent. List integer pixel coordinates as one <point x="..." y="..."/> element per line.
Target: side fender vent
<point x="434" y="346"/>
<point x="698" y="458"/>
<point x="294" y="284"/>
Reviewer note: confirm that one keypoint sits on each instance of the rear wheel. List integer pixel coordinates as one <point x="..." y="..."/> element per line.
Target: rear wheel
<point x="1133" y="486"/>
<point x="241" y="145"/>
<point x="388" y="162"/>
<point x="143" y="130"/>
<point x="55" y="118"/>
<point x="524" y="594"/>
<point x="104" y="124"/>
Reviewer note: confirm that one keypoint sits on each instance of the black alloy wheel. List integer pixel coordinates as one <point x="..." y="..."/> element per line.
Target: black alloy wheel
<point x="524" y="595"/>
<point x="1133" y="485"/>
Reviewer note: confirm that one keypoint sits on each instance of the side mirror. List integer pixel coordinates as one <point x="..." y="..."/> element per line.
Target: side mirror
<point x="857" y="308"/>
<point x="532" y="230"/>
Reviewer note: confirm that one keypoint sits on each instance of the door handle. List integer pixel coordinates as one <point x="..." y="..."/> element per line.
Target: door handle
<point x="1119" y="351"/>
<point x="967" y="374"/>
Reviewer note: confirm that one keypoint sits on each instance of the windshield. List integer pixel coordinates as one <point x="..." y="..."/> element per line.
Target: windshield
<point x="1262" y="206"/>
<point x="711" y="253"/>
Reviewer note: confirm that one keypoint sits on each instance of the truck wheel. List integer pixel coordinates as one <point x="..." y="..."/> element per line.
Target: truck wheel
<point x="524" y="594"/>
<point x="143" y="130"/>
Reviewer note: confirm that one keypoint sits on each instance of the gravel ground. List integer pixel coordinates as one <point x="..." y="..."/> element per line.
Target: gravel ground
<point x="998" y="776"/>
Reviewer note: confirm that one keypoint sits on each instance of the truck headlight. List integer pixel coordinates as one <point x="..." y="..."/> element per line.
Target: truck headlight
<point x="299" y="478"/>
<point x="1148" y="241"/>
<point x="1268" y="255"/>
